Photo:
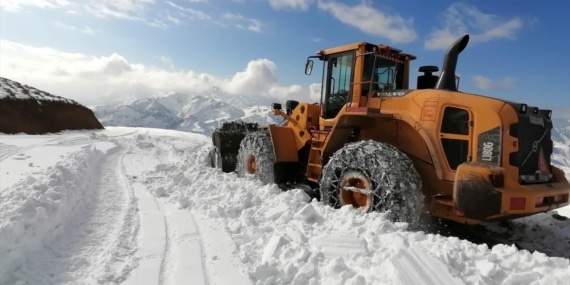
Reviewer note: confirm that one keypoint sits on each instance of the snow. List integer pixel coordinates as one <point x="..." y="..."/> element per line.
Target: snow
<point x="183" y="112"/>
<point x="14" y="90"/>
<point x="561" y="151"/>
<point x="139" y="206"/>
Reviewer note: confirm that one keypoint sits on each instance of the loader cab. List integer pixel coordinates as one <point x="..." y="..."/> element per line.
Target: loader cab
<point x="356" y="70"/>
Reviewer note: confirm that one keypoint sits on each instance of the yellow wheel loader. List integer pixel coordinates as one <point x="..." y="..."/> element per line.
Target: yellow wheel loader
<point x="377" y="144"/>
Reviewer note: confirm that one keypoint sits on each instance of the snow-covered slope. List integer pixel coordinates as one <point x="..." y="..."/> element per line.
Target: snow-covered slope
<point x="184" y="112"/>
<point x="140" y="206"/>
<point x="10" y="89"/>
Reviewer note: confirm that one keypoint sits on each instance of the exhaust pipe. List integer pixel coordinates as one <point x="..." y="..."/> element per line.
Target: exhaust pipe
<point x="446" y="80"/>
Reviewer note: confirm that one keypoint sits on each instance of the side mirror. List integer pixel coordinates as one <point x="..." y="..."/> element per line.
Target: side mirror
<point x="309" y="67"/>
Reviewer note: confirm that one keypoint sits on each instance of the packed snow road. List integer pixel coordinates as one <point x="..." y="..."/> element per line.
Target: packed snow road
<point x="140" y="206"/>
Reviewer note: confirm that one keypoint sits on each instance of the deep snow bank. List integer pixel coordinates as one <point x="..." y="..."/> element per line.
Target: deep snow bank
<point x="35" y="209"/>
<point x="275" y="237"/>
<point x="282" y="239"/>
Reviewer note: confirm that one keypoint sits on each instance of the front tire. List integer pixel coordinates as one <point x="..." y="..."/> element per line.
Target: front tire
<point x="255" y="157"/>
<point x="373" y="176"/>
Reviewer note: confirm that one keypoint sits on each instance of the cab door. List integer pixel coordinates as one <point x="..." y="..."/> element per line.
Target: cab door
<point x="337" y="83"/>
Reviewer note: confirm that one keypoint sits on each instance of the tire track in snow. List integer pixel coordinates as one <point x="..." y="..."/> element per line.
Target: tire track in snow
<point x="152" y="239"/>
<point x="187" y="253"/>
<point x="125" y="246"/>
<point x="69" y="140"/>
<point x="170" y="245"/>
<point x="8" y="150"/>
<point x="164" y="263"/>
<point x="202" y="255"/>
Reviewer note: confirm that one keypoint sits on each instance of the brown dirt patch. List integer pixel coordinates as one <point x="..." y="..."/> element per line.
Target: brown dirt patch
<point x="33" y="116"/>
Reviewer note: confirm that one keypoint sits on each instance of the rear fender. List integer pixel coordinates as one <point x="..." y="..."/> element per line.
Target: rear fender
<point x="474" y="194"/>
<point x="284" y="146"/>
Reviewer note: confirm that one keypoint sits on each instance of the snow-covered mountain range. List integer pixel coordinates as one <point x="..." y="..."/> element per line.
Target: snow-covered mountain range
<point x="184" y="112"/>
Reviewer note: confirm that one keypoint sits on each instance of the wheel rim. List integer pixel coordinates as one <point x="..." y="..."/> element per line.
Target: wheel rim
<point x="352" y="185"/>
<point x="250" y="164"/>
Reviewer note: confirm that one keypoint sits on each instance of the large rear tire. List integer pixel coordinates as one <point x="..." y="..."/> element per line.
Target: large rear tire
<point x="255" y="157"/>
<point x="373" y="176"/>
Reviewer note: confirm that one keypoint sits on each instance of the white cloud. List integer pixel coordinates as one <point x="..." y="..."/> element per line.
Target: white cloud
<point x="134" y="10"/>
<point x="258" y="75"/>
<point x="189" y="13"/>
<point x="167" y="61"/>
<point x="224" y="20"/>
<point x="121" y="9"/>
<point x="315" y="92"/>
<point x="136" y="7"/>
<point x="461" y="19"/>
<point x="85" y="30"/>
<point x="485" y="83"/>
<point x="311" y="94"/>
<point x="17" y="5"/>
<point x="291" y="4"/>
<point x="372" y="21"/>
<point x="72" y="12"/>
<point x="244" y="22"/>
<point x="150" y="12"/>
<point x="93" y="80"/>
<point x="173" y="19"/>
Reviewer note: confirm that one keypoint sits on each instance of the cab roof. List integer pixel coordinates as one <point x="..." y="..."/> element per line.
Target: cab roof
<point x="369" y="47"/>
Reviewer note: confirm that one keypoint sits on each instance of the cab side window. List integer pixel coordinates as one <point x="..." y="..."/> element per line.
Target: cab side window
<point x="455" y="121"/>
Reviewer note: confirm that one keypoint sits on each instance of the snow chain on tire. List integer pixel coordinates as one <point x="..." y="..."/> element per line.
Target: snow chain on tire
<point x="395" y="185"/>
<point x="257" y="145"/>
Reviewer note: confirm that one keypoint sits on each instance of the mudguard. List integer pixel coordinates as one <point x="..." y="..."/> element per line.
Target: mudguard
<point x="284" y="145"/>
<point x="473" y="193"/>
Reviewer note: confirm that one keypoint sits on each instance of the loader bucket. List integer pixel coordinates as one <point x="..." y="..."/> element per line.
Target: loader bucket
<point x="226" y="140"/>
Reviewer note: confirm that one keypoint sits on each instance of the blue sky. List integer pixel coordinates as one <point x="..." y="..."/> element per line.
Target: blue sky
<point x="116" y="49"/>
